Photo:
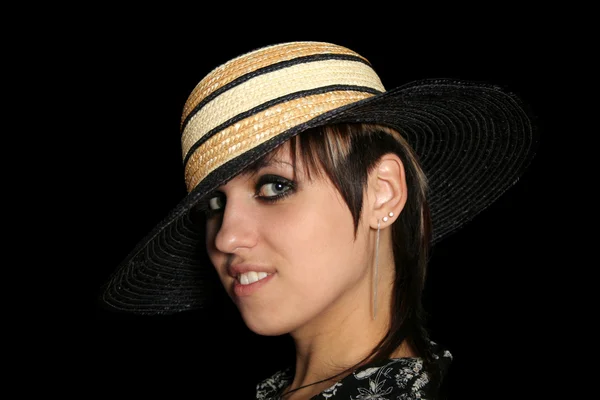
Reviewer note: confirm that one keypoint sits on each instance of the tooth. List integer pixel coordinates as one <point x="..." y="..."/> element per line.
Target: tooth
<point x="252" y="276"/>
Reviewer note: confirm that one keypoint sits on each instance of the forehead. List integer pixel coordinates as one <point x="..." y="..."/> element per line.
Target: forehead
<point x="281" y="156"/>
<point x="290" y="155"/>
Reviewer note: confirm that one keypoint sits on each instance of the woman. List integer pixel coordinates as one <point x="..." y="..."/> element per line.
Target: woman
<point x="314" y="197"/>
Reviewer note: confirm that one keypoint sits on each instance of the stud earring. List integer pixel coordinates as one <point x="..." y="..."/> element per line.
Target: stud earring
<point x="385" y="219"/>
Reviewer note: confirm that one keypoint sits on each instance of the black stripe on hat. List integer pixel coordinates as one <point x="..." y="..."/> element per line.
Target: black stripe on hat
<point x="266" y="70"/>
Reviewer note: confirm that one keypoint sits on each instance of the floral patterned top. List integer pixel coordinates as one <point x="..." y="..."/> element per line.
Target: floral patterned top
<point x="393" y="379"/>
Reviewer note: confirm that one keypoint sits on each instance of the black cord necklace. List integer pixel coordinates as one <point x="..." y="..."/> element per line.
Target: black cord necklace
<point x="324" y="380"/>
<point x="310" y="384"/>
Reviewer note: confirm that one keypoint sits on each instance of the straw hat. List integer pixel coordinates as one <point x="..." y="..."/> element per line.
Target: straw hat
<point x="473" y="140"/>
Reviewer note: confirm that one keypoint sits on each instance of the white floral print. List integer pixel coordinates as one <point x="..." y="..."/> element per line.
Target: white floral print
<point x="393" y="379"/>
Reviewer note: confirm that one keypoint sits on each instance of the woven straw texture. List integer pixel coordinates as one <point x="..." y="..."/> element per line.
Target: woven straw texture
<point x="473" y="141"/>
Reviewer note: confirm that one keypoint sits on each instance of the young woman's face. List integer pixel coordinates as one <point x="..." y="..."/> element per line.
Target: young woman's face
<point x="285" y="250"/>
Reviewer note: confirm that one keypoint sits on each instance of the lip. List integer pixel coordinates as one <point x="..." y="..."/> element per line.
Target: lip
<point x="246" y="290"/>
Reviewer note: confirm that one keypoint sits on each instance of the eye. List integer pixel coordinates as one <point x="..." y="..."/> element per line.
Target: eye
<point x="216" y="203"/>
<point x="273" y="189"/>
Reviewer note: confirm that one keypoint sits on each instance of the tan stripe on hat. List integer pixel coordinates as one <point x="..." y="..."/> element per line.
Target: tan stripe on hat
<point x="247" y="134"/>
<point x="262" y="105"/>
<point x="255" y="60"/>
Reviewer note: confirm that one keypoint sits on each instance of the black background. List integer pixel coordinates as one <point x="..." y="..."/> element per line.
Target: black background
<point x="488" y="290"/>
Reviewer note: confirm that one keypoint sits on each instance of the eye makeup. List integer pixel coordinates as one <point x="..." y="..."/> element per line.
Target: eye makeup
<point x="268" y="188"/>
<point x="272" y="188"/>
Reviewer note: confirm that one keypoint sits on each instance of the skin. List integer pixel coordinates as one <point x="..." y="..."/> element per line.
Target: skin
<point x="319" y="286"/>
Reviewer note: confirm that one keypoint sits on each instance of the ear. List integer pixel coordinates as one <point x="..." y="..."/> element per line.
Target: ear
<point x="386" y="191"/>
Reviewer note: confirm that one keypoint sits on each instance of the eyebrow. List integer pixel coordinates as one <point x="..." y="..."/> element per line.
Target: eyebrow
<point x="265" y="162"/>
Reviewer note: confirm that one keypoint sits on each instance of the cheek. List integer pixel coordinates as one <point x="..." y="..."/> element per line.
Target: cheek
<point x="315" y="240"/>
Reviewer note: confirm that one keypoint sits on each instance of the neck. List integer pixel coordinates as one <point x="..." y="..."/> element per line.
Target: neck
<point x="342" y="338"/>
<point x="344" y="335"/>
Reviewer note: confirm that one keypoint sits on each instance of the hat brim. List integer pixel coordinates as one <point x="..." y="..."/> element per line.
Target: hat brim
<point x="473" y="141"/>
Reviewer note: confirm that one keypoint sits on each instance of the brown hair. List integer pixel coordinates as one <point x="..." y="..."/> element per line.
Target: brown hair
<point x="346" y="153"/>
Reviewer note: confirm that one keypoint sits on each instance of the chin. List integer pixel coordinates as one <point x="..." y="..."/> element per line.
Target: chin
<point x="265" y="328"/>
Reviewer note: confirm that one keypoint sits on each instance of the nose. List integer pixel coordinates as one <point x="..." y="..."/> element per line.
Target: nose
<point x="237" y="229"/>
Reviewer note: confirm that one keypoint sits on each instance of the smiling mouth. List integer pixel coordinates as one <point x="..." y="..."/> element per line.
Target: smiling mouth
<point x="250" y="277"/>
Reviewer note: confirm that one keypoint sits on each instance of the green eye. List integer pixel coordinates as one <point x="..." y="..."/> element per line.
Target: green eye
<point x="273" y="189"/>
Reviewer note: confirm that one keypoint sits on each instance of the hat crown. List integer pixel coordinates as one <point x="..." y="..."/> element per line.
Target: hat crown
<point x="256" y="60"/>
<point x="260" y="94"/>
